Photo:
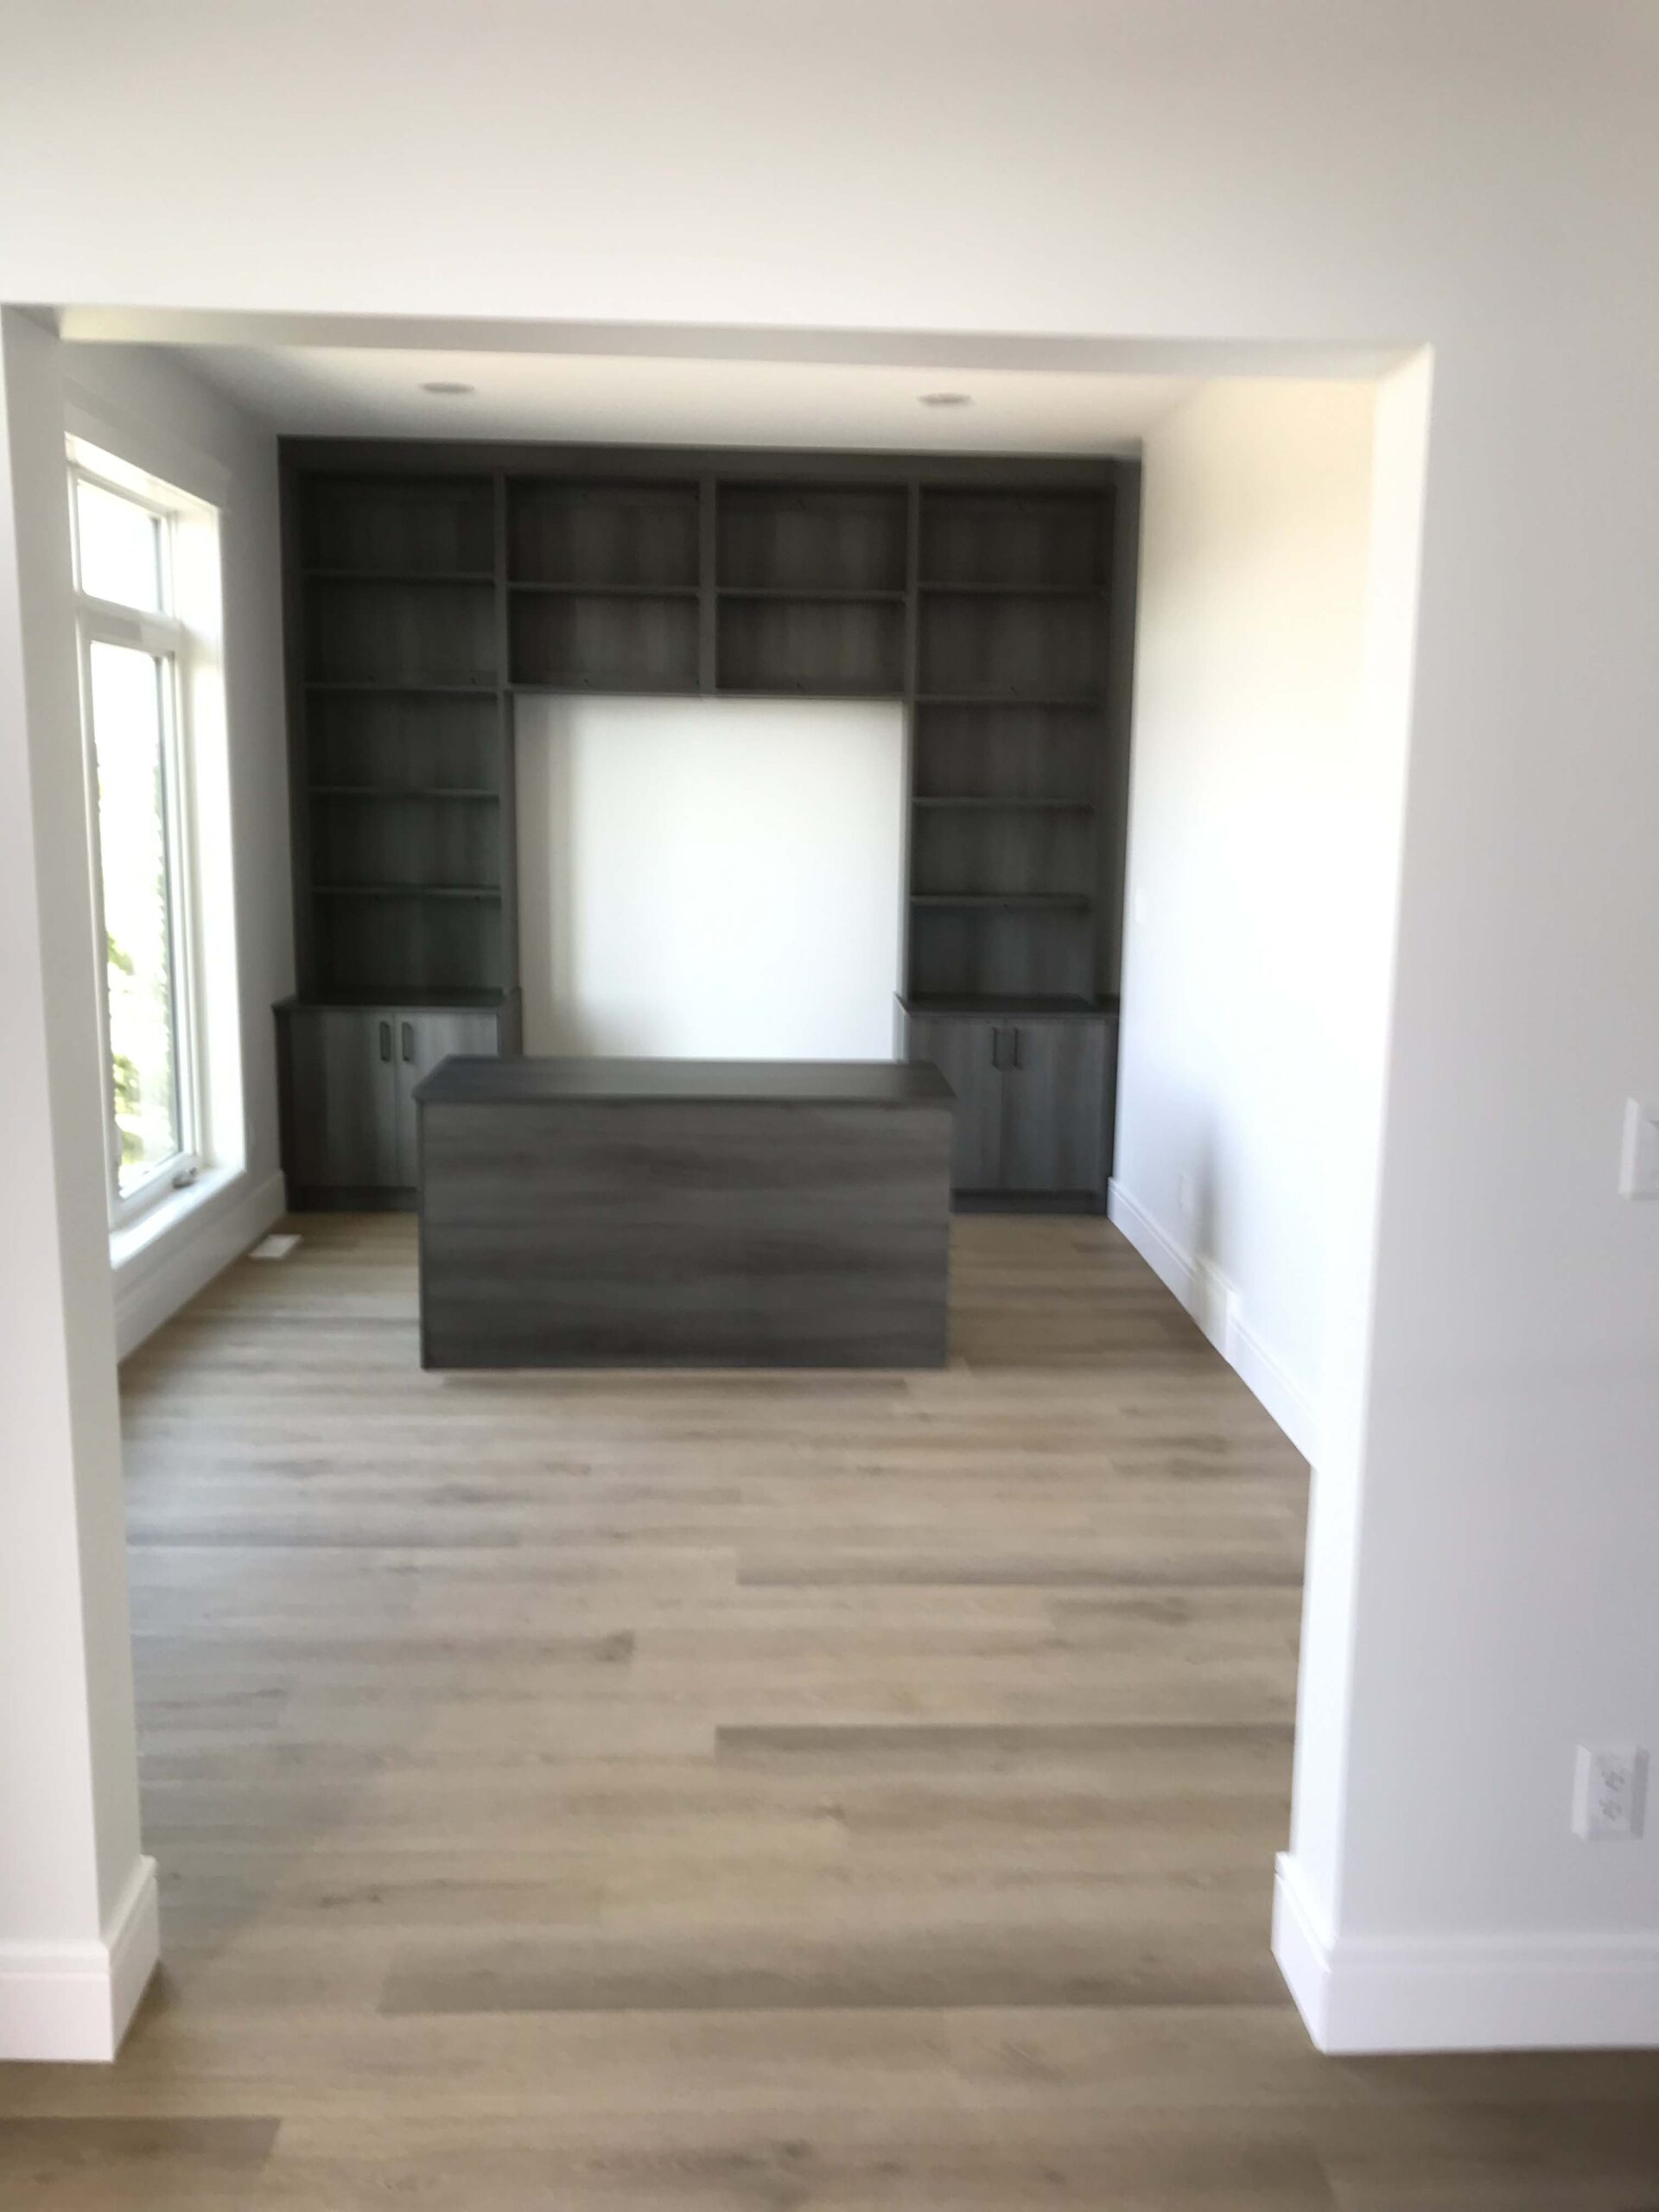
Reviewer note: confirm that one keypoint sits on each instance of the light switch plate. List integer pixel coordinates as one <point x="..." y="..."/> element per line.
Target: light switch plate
<point x="1638" y="1162"/>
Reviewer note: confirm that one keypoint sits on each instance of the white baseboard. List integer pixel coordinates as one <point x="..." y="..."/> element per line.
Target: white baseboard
<point x="1169" y="1261"/>
<point x="1371" y="1995"/>
<point x="152" y="1286"/>
<point x="1287" y="1401"/>
<point x="1214" y="1303"/>
<point x="64" y="2003"/>
<point x="1301" y="1944"/>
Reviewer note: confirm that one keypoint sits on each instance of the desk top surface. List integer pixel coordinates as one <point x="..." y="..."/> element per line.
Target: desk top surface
<point x="464" y="1081"/>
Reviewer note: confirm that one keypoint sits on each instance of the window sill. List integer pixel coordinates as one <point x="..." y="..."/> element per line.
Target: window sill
<point x="129" y="1245"/>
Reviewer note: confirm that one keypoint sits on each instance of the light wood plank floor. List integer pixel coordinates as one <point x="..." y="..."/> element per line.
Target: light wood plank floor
<point x="619" y="1793"/>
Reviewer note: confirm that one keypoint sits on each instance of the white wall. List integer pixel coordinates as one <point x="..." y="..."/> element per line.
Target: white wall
<point x="78" y="1899"/>
<point x="1482" y="178"/>
<point x="154" y="411"/>
<point x="710" y="878"/>
<point x="1250" y="868"/>
<point x="77" y="1918"/>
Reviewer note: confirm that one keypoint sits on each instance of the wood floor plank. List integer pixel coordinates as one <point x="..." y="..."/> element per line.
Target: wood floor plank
<point x="598" y="1793"/>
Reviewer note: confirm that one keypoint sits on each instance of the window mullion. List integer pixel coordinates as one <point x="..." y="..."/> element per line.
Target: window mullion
<point x="130" y="625"/>
<point x="187" y="1068"/>
<point x="101" y="939"/>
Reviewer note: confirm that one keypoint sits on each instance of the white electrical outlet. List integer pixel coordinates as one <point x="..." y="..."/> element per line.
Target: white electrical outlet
<point x="1638" y="1158"/>
<point x="1610" y="1791"/>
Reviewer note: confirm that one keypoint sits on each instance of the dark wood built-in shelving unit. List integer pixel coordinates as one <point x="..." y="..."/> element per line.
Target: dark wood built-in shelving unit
<point x="403" y="753"/>
<point x="430" y="585"/>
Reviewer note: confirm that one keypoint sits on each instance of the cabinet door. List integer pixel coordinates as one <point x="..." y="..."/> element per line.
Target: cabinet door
<point x="1054" y="1106"/>
<point x="966" y="1051"/>
<point x="343" y="1098"/>
<point x="423" y="1038"/>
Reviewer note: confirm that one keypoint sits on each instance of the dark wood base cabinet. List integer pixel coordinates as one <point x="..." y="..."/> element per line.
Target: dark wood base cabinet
<point x="1035" y="1096"/>
<point x="346" y="1077"/>
<point x="683" y="1213"/>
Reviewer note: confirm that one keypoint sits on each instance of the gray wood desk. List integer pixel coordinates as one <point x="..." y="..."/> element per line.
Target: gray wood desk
<point x="683" y="1213"/>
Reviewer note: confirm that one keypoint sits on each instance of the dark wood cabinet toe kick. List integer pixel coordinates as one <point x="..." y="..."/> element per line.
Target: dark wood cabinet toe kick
<point x="683" y="1213"/>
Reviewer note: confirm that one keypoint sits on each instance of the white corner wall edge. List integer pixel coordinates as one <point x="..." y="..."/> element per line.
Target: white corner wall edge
<point x="70" y="2003"/>
<point x="1372" y="1995"/>
<point x="1209" y="1298"/>
<point x="155" y="1284"/>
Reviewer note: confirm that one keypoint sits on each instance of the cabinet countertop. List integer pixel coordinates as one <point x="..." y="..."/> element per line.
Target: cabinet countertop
<point x="421" y="1001"/>
<point x="465" y="1081"/>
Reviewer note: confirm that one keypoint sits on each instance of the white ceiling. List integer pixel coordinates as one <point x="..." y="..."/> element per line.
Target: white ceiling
<point x="375" y="392"/>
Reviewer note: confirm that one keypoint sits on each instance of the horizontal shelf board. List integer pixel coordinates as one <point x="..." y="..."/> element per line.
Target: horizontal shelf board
<point x="402" y="790"/>
<point x="835" y="593"/>
<point x="1001" y="1003"/>
<point x="486" y="687"/>
<point x="407" y="890"/>
<point x="1083" y="702"/>
<point x="1016" y="591"/>
<point x="1067" y="902"/>
<point x="805" y="691"/>
<point x="400" y="576"/>
<point x="603" y="591"/>
<point x="577" y="687"/>
<point x="1018" y="805"/>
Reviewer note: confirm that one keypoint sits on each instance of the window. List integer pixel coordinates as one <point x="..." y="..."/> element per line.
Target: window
<point x="134" y="651"/>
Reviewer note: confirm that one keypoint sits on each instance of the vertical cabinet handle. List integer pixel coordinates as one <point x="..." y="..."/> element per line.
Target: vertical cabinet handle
<point x="1017" y="1061"/>
<point x="386" y="1040"/>
<point x="409" y="1040"/>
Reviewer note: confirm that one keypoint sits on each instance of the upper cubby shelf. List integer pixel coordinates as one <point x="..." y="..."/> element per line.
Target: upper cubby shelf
<point x="399" y="529"/>
<point x="1024" y="540"/>
<point x="811" y="539"/>
<point x="833" y="648"/>
<point x="604" y="641"/>
<point x="586" y="535"/>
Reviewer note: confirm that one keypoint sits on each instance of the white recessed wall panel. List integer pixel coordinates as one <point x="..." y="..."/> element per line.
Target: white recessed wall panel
<point x="711" y="878"/>
<point x="1259" y="859"/>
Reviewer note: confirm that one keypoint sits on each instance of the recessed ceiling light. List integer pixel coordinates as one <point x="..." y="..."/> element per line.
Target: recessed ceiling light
<point x="445" y="390"/>
<point x="946" y="399"/>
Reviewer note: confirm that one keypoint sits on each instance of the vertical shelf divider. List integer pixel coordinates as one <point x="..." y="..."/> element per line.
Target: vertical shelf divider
<point x="507" y="741"/>
<point x="299" y="776"/>
<point x="913" y="686"/>
<point x="707" y="585"/>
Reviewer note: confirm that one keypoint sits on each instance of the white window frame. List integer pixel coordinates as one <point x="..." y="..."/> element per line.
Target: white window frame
<point x="168" y="638"/>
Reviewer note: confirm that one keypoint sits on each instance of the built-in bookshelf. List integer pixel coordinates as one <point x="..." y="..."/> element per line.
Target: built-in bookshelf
<point x="403" y="830"/>
<point x="1008" y="746"/>
<point x="431" y="585"/>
